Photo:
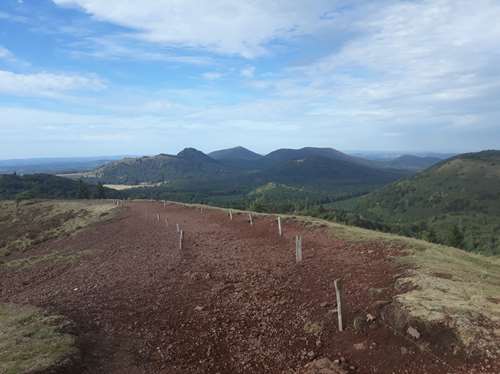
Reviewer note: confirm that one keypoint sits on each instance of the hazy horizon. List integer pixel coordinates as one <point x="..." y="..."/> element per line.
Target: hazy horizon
<point x="349" y="151"/>
<point x="90" y="77"/>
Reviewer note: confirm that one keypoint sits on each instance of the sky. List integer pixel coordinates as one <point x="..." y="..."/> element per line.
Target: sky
<point x="94" y="77"/>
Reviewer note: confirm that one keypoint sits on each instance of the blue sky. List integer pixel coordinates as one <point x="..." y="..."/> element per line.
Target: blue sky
<point x="93" y="77"/>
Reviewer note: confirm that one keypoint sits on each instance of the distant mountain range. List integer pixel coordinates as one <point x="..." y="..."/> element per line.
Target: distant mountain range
<point x="187" y="164"/>
<point x="236" y="153"/>
<point x="456" y="201"/>
<point x="238" y="157"/>
<point x="410" y="162"/>
<point x="311" y="167"/>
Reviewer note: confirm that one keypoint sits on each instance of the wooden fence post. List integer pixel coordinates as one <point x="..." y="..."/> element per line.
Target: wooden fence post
<point x="250" y="219"/>
<point x="177" y="227"/>
<point x="158" y="217"/>
<point x="338" y="292"/>
<point x="181" y="239"/>
<point x="298" y="249"/>
<point x="230" y="214"/>
<point x="279" y="227"/>
<point x="166" y="221"/>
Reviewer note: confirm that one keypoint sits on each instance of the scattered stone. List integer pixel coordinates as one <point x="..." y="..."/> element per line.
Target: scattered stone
<point x="198" y="308"/>
<point x="324" y="304"/>
<point x="370" y="318"/>
<point x="413" y="332"/>
<point x="376" y="291"/>
<point x="359" y="324"/>
<point x="360" y="346"/>
<point x="379" y="304"/>
<point x="323" y="366"/>
<point x="312" y="328"/>
<point x="404" y="351"/>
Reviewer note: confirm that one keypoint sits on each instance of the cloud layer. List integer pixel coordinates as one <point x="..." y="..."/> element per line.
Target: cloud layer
<point x="45" y="84"/>
<point x="416" y="75"/>
<point x="230" y="27"/>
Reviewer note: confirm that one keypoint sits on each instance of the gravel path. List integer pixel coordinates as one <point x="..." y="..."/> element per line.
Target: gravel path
<point x="232" y="301"/>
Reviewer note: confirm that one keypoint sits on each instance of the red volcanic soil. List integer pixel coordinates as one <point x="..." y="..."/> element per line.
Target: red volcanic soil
<point x="233" y="300"/>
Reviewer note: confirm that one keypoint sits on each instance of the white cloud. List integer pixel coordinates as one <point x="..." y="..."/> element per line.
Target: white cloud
<point x="212" y="75"/>
<point x="223" y="26"/>
<point x="5" y="54"/>
<point x="406" y="74"/>
<point x="422" y="62"/>
<point x="248" y="72"/>
<point x="13" y="17"/>
<point x="46" y="84"/>
<point x="122" y="46"/>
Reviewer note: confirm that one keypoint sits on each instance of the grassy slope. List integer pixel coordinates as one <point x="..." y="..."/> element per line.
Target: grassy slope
<point x="33" y="222"/>
<point x="450" y="287"/>
<point x="32" y="341"/>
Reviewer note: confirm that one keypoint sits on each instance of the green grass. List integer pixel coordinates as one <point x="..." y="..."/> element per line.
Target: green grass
<point x="32" y="341"/>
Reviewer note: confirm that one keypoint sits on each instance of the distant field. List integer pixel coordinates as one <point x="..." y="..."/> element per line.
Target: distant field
<point x="122" y="187"/>
<point x="83" y="174"/>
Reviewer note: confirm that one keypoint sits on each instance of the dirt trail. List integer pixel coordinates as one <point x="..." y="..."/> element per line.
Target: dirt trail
<point x="232" y="301"/>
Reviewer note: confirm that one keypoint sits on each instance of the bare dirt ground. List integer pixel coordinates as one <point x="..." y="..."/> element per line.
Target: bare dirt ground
<point x="232" y="301"/>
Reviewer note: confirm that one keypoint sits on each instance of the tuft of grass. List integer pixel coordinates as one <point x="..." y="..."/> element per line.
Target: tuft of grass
<point x="33" y="341"/>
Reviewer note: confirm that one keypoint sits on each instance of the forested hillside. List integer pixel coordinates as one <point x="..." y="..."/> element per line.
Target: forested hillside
<point x="455" y="202"/>
<point x="43" y="186"/>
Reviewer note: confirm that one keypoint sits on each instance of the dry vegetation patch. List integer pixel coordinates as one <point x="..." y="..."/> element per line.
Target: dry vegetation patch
<point x="32" y="222"/>
<point x="54" y="257"/>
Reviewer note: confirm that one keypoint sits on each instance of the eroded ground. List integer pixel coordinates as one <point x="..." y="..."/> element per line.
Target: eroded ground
<point x="232" y="301"/>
